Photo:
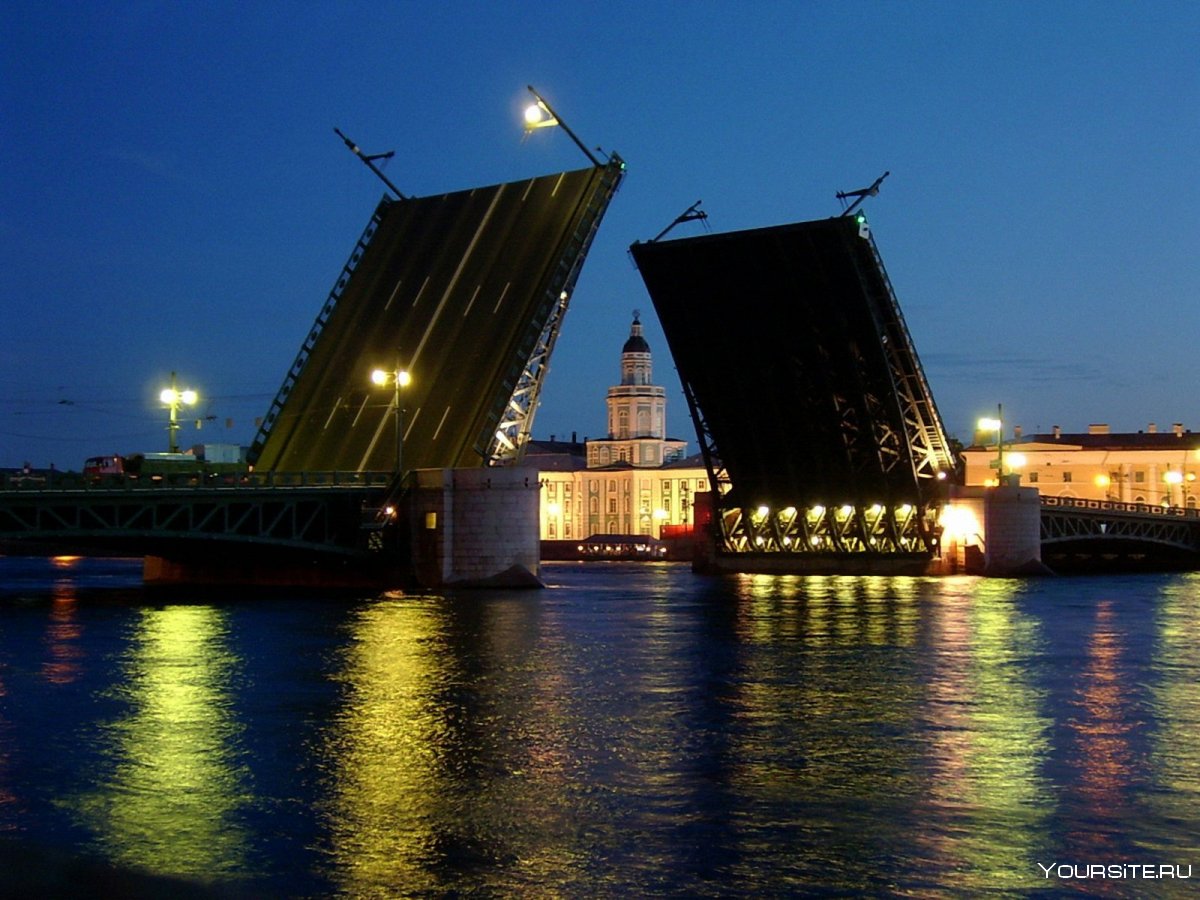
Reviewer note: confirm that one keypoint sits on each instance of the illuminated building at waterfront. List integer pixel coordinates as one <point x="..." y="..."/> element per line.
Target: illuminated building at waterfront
<point x="1159" y="468"/>
<point x="634" y="481"/>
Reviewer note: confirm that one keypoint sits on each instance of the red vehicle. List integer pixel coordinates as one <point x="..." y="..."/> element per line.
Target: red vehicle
<point x="102" y="466"/>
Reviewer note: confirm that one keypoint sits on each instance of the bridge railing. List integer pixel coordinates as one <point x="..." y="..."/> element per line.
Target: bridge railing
<point x="1143" y="509"/>
<point x="74" y="481"/>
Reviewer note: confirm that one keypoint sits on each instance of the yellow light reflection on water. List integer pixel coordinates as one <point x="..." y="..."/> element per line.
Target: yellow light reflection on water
<point x="445" y="751"/>
<point x="169" y="799"/>
<point x="384" y="756"/>
<point x="1177" y="709"/>
<point x="63" y="637"/>
<point x="988" y="739"/>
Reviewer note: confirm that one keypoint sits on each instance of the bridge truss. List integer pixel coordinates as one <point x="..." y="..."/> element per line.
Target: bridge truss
<point x="321" y="514"/>
<point x="814" y="416"/>
<point x="1090" y="534"/>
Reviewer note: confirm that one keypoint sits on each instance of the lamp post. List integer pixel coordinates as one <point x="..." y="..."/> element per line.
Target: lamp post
<point x="540" y="115"/>
<point x="399" y="379"/>
<point x="173" y="398"/>
<point x="996" y="425"/>
<point x="1173" y="479"/>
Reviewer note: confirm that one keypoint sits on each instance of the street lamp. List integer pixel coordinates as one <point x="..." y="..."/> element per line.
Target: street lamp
<point x="996" y="425"/>
<point x="399" y="379"/>
<point x="173" y="398"/>
<point x="540" y="115"/>
<point x="1172" y="479"/>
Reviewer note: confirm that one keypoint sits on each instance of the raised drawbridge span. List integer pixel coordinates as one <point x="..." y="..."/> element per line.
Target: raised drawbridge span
<point x="818" y="427"/>
<point x="465" y="292"/>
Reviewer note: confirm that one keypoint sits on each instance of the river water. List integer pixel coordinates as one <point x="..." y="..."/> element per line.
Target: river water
<point x="631" y="730"/>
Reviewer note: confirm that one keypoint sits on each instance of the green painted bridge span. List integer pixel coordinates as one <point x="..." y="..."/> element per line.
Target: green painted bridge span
<point x="325" y="514"/>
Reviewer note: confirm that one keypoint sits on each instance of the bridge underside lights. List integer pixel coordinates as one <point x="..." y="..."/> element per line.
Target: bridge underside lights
<point x="820" y="433"/>
<point x="845" y="529"/>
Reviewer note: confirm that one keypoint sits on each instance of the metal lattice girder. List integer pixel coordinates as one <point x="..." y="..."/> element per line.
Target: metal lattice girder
<point x="718" y="475"/>
<point x="929" y="447"/>
<point x="515" y="428"/>
<point x="329" y="519"/>
<point x="1070" y="520"/>
<point x="818" y="531"/>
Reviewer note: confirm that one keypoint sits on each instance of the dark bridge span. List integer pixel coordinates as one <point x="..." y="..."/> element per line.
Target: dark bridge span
<point x="814" y="415"/>
<point x="465" y="291"/>
<point x="302" y="523"/>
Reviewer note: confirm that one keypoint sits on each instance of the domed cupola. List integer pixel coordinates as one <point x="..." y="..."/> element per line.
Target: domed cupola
<point x="636" y="343"/>
<point x="635" y="355"/>
<point x="637" y="413"/>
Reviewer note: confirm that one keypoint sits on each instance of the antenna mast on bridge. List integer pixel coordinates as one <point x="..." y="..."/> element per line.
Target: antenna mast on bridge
<point x="369" y="160"/>
<point x="862" y="194"/>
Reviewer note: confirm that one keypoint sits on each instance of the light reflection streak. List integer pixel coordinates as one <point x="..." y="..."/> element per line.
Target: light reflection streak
<point x="818" y="657"/>
<point x="1177" y="711"/>
<point x="1103" y="728"/>
<point x="384" y="759"/>
<point x="64" y="635"/>
<point x="171" y="801"/>
<point x="8" y="822"/>
<point x="448" y="765"/>
<point x="986" y="740"/>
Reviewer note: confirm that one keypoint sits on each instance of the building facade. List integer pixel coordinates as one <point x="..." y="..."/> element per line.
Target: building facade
<point x="1159" y="468"/>
<point x="634" y="481"/>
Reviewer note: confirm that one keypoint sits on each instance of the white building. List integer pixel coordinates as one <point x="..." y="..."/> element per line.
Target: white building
<point x="634" y="481"/>
<point x="1153" y="467"/>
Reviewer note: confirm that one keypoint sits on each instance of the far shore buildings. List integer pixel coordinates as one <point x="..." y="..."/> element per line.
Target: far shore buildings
<point x="636" y="480"/>
<point x="1159" y="468"/>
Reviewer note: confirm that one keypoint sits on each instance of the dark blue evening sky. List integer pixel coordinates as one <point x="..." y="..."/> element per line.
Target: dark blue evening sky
<point x="173" y="196"/>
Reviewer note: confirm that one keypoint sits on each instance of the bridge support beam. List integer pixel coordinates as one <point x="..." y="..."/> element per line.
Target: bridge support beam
<point x="994" y="531"/>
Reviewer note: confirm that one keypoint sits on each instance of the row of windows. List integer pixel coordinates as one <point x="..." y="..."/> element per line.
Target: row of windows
<point x="668" y="486"/>
<point x="1067" y="477"/>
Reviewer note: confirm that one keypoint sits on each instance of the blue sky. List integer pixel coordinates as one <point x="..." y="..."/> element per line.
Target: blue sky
<point x="174" y="198"/>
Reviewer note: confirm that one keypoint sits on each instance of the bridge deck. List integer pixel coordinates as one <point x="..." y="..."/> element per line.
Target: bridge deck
<point x="327" y="513"/>
<point x="455" y="289"/>
<point x="1091" y="536"/>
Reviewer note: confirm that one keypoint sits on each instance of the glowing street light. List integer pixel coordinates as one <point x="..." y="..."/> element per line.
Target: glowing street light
<point x="1173" y="479"/>
<point x="399" y="379"/>
<point x="540" y="115"/>
<point x="173" y="398"/>
<point x="996" y="425"/>
<point x="660" y="519"/>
